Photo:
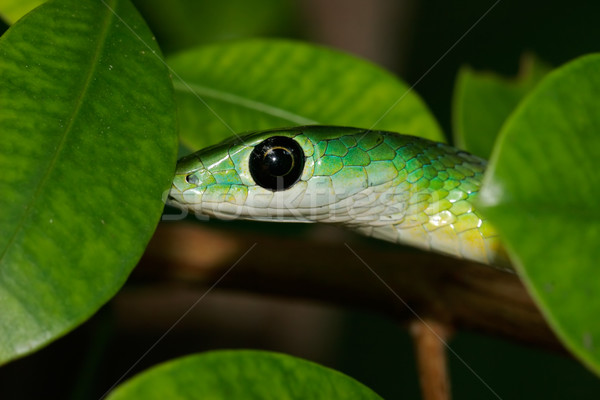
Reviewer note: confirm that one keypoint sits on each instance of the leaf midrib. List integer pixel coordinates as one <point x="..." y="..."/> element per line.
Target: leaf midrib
<point x="231" y="98"/>
<point x="68" y="128"/>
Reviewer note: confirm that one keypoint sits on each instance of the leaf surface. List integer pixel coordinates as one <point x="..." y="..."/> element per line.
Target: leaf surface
<point x="483" y="101"/>
<point x="241" y="374"/>
<point x="88" y="148"/>
<point x="541" y="191"/>
<point x="261" y="84"/>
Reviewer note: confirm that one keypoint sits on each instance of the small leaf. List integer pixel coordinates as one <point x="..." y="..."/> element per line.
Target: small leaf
<point x="88" y="147"/>
<point x="541" y="191"/>
<point x="182" y="24"/>
<point x="482" y="102"/>
<point x="241" y="374"/>
<point x="12" y="10"/>
<point x="262" y="84"/>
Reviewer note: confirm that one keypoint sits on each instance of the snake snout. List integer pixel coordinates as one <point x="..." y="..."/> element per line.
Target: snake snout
<point x="173" y="196"/>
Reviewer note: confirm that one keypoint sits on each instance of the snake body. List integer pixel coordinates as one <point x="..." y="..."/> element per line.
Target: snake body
<point x="394" y="187"/>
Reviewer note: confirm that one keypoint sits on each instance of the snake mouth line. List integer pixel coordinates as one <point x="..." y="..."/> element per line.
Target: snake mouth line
<point x="170" y="199"/>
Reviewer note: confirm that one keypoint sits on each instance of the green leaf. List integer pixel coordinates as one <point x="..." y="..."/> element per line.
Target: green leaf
<point x="541" y="191"/>
<point x="482" y="102"/>
<point x="261" y="84"/>
<point x="241" y="374"/>
<point x="88" y="147"/>
<point x="12" y="10"/>
<point x="182" y="24"/>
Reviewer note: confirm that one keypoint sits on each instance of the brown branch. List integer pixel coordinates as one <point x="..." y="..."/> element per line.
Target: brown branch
<point x="455" y="292"/>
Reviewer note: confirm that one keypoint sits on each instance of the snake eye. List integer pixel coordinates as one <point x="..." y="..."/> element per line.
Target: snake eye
<point x="277" y="163"/>
<point x="192" y="179"/>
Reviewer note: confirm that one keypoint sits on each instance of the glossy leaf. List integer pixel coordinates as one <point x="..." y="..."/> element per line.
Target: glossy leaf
<point x="88" y="147"/>
<point x="180" y="24"/>
<point x="542" y="190"/>
<point x="261" y="84"/>
<point x="483" y="100"/>
<point x="12" y="10"/>
<point x="242" y="374"/>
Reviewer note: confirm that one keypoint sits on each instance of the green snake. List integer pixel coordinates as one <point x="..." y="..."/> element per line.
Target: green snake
<point x="394" y="187"/>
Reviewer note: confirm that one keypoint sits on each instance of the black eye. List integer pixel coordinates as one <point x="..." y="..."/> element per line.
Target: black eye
<point x="277" y="163"/>
<point x="192" y="179"/>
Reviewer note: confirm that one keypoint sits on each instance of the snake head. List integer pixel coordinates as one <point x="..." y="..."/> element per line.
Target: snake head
<point x="281" y="175"/>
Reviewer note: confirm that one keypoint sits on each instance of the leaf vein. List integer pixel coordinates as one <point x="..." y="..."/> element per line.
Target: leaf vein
<point x="231" y="98"/>
<point x="68" y="128"/>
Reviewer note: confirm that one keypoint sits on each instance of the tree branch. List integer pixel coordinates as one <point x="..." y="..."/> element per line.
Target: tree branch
<point x="392" y="280"/>
<point x="430" y="338"/>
